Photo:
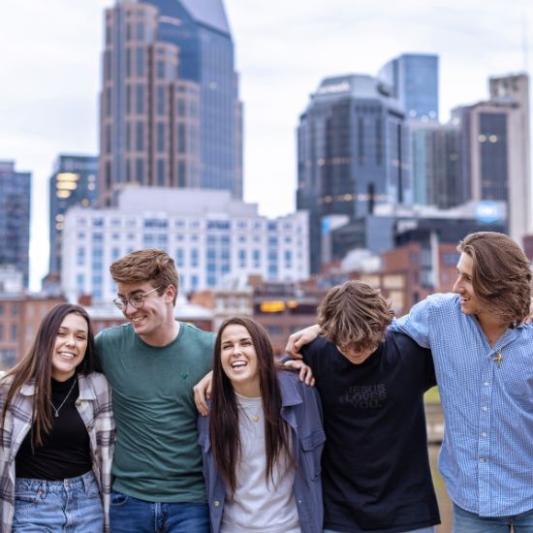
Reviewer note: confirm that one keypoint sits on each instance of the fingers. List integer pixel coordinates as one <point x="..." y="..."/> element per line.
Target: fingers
<point x="200" y="401"/>
<point x="202" y="393"/>
<point x="306" y="376"/>
<point x="290" y="344"/>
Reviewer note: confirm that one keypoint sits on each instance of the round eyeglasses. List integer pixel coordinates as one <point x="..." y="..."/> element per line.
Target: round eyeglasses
<point x="136" y="300"/>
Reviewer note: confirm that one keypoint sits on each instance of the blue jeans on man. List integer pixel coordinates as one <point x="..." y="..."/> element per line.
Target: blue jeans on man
<point x="466" y="522"/>
<point x="132" y="515"/>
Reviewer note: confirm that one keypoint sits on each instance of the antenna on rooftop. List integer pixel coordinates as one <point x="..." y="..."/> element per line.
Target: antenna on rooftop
<point x="525" y="43"/>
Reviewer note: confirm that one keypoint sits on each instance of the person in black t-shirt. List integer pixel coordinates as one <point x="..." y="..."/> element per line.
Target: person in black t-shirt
<point x="375" y="467"/>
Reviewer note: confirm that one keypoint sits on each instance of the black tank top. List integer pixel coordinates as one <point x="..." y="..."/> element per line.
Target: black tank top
<point x="65" y="452"/>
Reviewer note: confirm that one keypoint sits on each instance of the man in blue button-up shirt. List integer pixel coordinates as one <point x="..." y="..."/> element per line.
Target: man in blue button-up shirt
<point x="483" y="357"/>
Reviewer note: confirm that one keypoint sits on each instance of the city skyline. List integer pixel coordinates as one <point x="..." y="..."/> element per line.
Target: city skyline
<point x="280" y="62"/>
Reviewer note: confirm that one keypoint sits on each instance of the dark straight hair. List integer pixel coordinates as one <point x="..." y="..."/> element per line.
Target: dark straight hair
<point x="224" y="415"/>
<point x="36" y="367"/>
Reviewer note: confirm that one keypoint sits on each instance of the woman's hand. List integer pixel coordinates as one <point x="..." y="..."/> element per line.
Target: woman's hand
<point x="301" y="338"/>
<point x="202" y="393"/>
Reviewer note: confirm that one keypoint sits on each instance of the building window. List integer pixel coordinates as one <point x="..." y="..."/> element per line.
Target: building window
<point x="360" y="140"/>
<point x="161" y="101"/>
<point x="180" y="258"/>
<point x="242" y="258"/>
<point x="160" y="172"/>
<point x="139" y="136"/>
<point x="139" y="61"/>
<point x="194" y="282"/>
<point x="160" y="137"/>
<point x="139" y="170"/>
<point x="140" y="31"/>
<point x="181" y="138"/>
<point x="139" y="98"/>
<point x="194" y="257"/>
<point x="379" y="142"/>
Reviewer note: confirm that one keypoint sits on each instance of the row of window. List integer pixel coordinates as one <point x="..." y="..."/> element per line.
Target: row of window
<point x="101" y="222"/>
<point x="9" y="309"/>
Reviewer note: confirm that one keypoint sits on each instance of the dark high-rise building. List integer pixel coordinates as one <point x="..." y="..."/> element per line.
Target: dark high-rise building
<point x="495" y="150"/>
<point x="352" y="153"/>
<point x="170" y="110"/>
<point x="15" y="192"/>
<point x="435" y="164"/>
<point x="414" y="80"/>
<point x="73" y="182"/>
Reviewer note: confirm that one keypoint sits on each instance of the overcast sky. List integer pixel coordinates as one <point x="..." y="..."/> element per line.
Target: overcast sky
<point x="50" y="75"/>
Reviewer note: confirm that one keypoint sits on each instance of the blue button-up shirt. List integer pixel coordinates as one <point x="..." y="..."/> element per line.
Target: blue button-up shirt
<point x="487" y="399"/>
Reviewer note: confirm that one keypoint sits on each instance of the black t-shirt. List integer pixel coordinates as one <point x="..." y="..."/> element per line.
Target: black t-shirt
<point x="65" y="452"/>
<point x="375" y="466"/>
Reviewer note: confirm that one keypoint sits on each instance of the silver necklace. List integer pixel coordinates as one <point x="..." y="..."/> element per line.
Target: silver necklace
<point x="57" y="409"/>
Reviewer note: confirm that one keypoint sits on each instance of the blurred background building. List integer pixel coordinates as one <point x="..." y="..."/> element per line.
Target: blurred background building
<point x="15" y="193"/>
<point x="73" y="182"/>
<point x="212" y="237"/>
<point x="170" y="113"/>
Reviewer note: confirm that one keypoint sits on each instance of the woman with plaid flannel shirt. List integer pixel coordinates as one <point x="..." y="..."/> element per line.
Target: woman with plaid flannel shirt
<point x="57" y="432"/>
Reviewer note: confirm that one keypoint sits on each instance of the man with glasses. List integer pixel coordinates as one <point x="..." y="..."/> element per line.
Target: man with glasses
<point x="152" y="363"/>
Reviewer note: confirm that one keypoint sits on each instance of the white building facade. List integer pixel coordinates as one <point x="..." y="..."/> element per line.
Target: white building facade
<point x="211" y="237"/>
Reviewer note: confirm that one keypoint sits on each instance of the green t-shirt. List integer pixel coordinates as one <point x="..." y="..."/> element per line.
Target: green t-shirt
<point x="157" y="457"/>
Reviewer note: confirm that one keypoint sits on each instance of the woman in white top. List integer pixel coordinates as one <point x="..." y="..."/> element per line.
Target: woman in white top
<point x="262" y="440"/>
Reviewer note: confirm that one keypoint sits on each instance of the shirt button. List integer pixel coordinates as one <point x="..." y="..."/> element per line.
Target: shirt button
<point x="482" y="459"/>
<point x="487" y="383"/>
<point x="485" y="408"/>
<point x="217" y="503"/>
<point x="483" y="434"/>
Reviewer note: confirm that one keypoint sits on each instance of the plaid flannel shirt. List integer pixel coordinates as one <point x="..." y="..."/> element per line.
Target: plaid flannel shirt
<point x="94" y="407"/>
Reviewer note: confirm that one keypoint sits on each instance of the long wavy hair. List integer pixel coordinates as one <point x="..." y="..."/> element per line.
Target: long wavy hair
<point x="224" y="415"/>
<point x="501" y="274"/>
<point x="36" y="368"/>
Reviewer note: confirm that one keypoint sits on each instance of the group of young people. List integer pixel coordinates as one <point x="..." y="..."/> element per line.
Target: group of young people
<point x="272" y="454"/>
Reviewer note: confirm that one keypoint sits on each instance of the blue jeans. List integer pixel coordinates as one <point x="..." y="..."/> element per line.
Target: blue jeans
<point x="423" y="530"/>
<point x="131" y="515"/>
<point x="71" y="506"/>
<point x="466" y="522"/>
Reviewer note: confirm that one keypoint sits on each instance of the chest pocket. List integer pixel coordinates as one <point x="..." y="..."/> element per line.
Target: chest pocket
<point x="311" y="448"/>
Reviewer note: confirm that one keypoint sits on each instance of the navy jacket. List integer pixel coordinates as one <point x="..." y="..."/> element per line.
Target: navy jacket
<point x="302" y="411"/>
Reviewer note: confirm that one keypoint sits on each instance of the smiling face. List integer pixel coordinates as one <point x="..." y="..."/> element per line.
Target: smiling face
<point x="239" y="360"/>
<point x="153" y="320"/>
<point x="69" y="347"/>
<point x="470" y="303"/>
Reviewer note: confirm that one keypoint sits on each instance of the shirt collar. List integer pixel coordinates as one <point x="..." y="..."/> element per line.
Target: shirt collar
<point x="86" y="391"/>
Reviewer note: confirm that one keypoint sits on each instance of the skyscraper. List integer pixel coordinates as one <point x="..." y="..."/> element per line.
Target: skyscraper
<point x="352" y="153"/>
<point x="435" y="164"/>
<point x="495" y="150"/>
<point x="73" y="182"/>
<point x="170" y="112"/>
<point x="414" y="79"/>
<point x="15" y="192"/>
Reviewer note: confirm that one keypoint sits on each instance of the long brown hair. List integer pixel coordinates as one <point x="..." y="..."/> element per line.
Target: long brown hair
<point x="36" y="368"/>
<point x="501" y="275"/>
<point x="224" y="416"/>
